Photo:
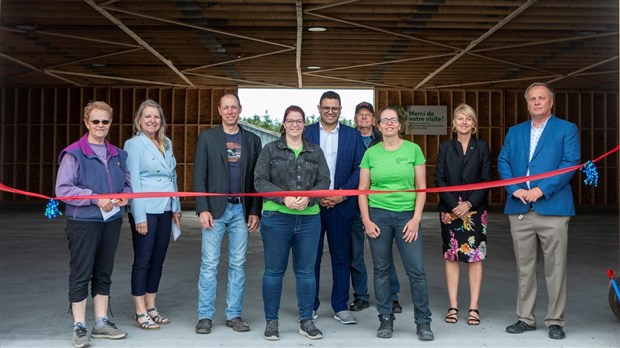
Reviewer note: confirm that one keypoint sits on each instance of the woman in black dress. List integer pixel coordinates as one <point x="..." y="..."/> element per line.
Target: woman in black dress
<point x="463" y="160"/>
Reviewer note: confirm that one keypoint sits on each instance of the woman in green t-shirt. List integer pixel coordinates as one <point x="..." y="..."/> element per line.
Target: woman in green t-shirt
<point x="395" y="164"/>
<point x="290" y="164"/>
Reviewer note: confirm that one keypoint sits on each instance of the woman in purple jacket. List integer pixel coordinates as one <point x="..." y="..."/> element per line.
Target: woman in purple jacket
<point x="92" y="166"/>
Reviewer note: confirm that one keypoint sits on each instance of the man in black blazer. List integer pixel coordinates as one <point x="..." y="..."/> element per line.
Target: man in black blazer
<point x="224" y="163"/>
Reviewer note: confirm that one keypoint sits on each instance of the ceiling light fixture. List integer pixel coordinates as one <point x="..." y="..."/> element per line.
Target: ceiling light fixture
<point x="98" y="65"/>
<point x="313" y="67"/>
<point x="317" y="29"/>
<point x="25" y="27"/>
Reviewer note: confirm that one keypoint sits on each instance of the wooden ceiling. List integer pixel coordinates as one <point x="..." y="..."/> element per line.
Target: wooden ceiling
<point x="419" y="44"/>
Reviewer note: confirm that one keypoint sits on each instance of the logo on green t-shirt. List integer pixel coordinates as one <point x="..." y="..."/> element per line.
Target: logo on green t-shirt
<point x="401" y="159"/>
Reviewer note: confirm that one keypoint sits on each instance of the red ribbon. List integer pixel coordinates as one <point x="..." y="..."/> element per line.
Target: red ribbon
<point x="317" y="193"/>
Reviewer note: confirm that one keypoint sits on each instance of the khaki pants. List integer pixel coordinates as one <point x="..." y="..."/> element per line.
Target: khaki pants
<point x="551" y="233"/>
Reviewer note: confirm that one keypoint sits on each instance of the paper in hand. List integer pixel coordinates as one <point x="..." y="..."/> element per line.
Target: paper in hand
<point x="175" y="231"/>
<point x="108" y="214"/>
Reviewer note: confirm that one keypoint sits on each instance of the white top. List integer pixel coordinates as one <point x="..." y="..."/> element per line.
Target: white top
<point x="329" y="145"/>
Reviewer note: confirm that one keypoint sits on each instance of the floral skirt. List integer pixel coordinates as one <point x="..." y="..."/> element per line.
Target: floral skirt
<point x="464" y="239"/>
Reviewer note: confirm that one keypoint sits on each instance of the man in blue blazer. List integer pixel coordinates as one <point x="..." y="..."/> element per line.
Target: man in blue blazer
<point x="224" y="163"/>
<point x="539" y="210"/>
<point x="343" y="149"/>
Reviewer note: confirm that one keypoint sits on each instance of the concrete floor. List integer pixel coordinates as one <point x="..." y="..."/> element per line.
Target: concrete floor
<point x="34" y="273"/>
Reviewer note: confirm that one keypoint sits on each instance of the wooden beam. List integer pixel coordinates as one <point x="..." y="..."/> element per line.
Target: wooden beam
<point x="237" y="60"/>
<point x="584" y="69"/>
<point x="383" y="63"/>
<point x="350" y="80"/>
<point x="43" y="71"/>
<point x="126" y="79"/>
<point x="96" y="57"/>
<point x="333" y="4"/>
<point x="115" y="9"/>
<point x="478" y="83"/>
<point x="474" y="43"/>
<point x="543" y="42"/>
<point x="116" y="43"/>
<point x="138" y="39"/>
<point x="240" y="80"/>
<point x="300" y="30"/>
<point x="379" y="30"/>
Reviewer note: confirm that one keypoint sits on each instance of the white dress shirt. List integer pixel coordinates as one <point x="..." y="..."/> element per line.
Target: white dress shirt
<point x="329" y="145"/>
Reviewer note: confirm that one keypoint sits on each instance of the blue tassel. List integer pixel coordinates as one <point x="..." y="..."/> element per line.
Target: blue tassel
<point x="51" y="210"/>
<point x="589" y="170"/>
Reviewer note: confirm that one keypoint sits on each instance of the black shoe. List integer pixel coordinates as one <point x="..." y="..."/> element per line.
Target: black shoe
<point x="519" y="327"/>
<point x="272" y="331"/>
<point x="556" y="332"/>
<point x="237" y="324"/>
<point x="424" y="332"/>
<point x="386" y="326"/>
<point x="396" y="307"/>
<point x="358" y="305"/>
<point x="204" y="326"/>
<point x="308" y="329"/>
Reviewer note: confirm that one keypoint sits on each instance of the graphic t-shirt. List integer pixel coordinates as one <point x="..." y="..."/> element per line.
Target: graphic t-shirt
<point x="233" y="149"/>
<point x="393" y="170"/>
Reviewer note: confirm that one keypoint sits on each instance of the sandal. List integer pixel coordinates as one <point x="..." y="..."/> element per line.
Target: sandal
<point x="451" y="317"/>
<point x="147" y="324"/>
<point x="161" y="320"/>
<point x="472" y="319"/>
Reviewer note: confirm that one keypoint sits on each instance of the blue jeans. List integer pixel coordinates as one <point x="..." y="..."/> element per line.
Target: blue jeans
<point x="233" y="223"/>
<point x="281" y="233"/>
<point x="359" y="275"/>
<point x="149" y="252"/>
<point x="391" y="225"/>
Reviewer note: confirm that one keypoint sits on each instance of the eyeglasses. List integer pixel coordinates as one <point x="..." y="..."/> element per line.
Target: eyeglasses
<point x="96" y="122"/>
<point x="292" y="122"/>
<point x="365" y="115"/>
<point x="389" y="120"/>
<point x="333" y="109"/>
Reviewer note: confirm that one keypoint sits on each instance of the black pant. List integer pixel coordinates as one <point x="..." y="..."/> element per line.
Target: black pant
<point x="92" y="246"/>
<point x="149" y="252"/>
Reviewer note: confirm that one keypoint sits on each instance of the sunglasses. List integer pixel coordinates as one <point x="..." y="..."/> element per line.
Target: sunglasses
<point x="96" y="122"/>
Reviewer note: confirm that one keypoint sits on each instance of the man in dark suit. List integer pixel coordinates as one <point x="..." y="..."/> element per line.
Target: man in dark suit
<point x="539" y="211"/>
<point x="224" y="163"/>
<point x="343" y="149"/>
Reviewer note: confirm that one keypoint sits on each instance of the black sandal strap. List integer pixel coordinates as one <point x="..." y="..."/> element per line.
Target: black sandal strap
<point x="472" y="320"/>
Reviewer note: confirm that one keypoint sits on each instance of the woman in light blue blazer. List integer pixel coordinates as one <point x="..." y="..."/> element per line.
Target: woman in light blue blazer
<point x="152" y="167"/>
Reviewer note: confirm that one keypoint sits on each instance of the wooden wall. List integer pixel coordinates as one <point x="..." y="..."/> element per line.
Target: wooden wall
<point x="37" y="123"/>
<point x="595" y="113"/>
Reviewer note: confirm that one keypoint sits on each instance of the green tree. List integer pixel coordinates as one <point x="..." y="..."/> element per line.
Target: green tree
<point x="264" y="121"/>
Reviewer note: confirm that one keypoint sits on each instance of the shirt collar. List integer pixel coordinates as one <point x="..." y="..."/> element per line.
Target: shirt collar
<point x="542" y="125"/>
<point x="325" y="130"/>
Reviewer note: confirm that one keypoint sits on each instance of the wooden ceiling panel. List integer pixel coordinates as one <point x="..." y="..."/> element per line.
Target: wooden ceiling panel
<point x="417" y="44"/>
